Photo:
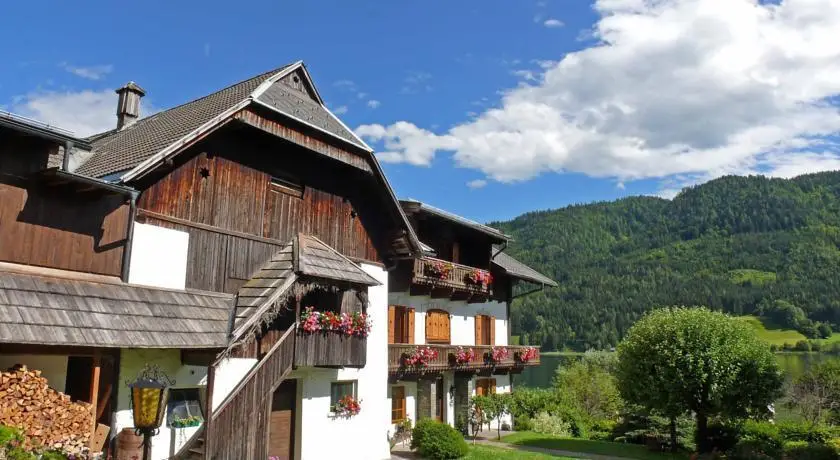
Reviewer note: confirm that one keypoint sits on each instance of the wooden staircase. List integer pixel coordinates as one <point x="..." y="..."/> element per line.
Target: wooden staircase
<point x="237" y="429"/>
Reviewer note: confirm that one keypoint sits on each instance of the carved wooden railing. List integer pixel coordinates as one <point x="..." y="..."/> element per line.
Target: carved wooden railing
<point x="330" y="349"/>
<point x="456" y="278"/>
<point x="236" y="430"/>
<point x="445" y="358"/>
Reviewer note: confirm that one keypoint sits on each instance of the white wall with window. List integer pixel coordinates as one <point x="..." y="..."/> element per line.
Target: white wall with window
<point x="462" y="317"/>
<point x="323" y="434"/>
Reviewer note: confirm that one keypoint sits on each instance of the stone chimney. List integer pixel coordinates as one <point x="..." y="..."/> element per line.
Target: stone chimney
<point x="128" y="105"/>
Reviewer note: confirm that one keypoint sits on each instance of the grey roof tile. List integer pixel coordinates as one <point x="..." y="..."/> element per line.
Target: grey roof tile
<point x="519" y="270"/>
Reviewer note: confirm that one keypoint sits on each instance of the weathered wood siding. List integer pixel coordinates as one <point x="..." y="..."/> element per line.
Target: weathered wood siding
<point x="54" y="227"/>
<point x="473" y="248"/>
<point x="226" y="187"/>
<point x="21" y="155"/>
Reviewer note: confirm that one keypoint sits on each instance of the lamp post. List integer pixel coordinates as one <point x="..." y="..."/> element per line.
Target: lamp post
<point x="148" y="401"/>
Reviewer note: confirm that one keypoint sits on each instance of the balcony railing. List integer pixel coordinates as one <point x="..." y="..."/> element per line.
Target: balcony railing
<point x="459" y="280"/>
<point x="330" y="349"/>
<point x="445" y="360"/>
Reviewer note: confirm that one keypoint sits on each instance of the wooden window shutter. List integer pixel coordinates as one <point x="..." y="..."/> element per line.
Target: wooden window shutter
<point x="392" y="313"/>
<point x="478" y="337"/>
<point x="410" y="326"/>
<point x="456" y="252"/>
<point x="397" y="404"/>
<point x="492" y="331"/>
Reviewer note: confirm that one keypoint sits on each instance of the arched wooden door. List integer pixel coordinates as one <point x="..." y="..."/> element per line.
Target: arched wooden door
<point x="437" y="327"/>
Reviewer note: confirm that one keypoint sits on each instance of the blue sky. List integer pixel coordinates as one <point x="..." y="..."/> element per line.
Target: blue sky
<point x="487" y="108"/>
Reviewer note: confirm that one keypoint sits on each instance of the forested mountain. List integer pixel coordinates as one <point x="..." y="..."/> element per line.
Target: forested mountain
<point x="745" y="245"/>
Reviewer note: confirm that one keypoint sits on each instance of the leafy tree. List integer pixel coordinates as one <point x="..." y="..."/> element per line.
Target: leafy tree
<point x="691" y="360"/>
<point x="589" y="386"/>
<point x="816" y="394"/>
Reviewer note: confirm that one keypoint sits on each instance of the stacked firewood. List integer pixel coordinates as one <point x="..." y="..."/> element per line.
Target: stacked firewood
<point x="48" y="418"/>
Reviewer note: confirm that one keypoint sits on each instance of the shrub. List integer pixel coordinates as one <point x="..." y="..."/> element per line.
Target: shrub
<point x="801" y="450"/>
<point x="723" y="436"/>
<point x="774" y="348"/>
<point x="802" y="345"/>
<point x="798" y="431"/>
<point x="551" y="424"/>
<point x="816" y="345"/>
<point x="602" y="430"/>
<point x="754" y="450"/>
<point x="787" y="347"/>
<point x="578" y="423"/>
<point x="531" y="401"/>
<point x="437" y="441"/>
<point x="523" y="423"/>
<point x="638" y="426"/>
<point x="53" y="455"/>
<point x="762" y="432"/>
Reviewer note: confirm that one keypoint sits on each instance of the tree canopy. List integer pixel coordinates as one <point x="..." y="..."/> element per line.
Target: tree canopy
<point x="677" y="361"/>
<point x="743" y="245"/>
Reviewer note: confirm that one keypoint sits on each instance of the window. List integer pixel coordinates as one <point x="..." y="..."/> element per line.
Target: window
<point x="485" y="330"/>
<point x="485" y="387"/>
<point x="437" y="326"/>
<point x="339" y="390"/>
<point x="184" y="408"/>
<point x="286" y="186"/>
<point x="397" y="404"/>
<point x="400" y="324"/>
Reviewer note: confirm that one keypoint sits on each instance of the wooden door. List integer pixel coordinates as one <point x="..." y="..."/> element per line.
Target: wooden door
<point x="439" y="400"/>
<point x="281" y="431"/>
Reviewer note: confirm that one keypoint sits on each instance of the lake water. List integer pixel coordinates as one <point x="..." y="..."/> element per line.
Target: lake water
<point x="794" y="364"/>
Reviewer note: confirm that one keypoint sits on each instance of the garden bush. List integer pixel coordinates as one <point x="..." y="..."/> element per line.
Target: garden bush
<point x="522" y="423"/>
<point x="545" y="423"/>
<point x="801" y="450"/>
<point x="801" y="431"/>
<point x="437" y="441"/>
<point x="637" y="426"/>
<point x="754" y="450"/>
<point x="602" y="430"/>
<point x="723" y="436"/>
<point x="762" y="432"/>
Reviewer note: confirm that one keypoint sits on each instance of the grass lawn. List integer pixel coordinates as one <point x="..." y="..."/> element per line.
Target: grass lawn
<point x="615" y="449"/>
<point x="493" y="453"/>
<point x="773" y="334"/>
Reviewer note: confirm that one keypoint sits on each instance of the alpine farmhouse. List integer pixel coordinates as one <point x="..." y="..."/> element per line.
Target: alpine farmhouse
<point x="247" y="244"/>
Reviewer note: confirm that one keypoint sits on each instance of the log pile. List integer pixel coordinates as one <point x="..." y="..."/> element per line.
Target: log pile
<point x="48" y="418"/>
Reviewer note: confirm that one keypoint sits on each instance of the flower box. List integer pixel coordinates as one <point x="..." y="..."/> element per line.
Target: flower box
<point x="347" y="406"/>
<point x="480" y="278"/>
<point x="439" y="269"/>
<point x="497" y="355"/>
<point x="350" y="324"/>
<point x="420" y="357"/>
<point x="462" y="356"/>
<point x="526" y="355"/>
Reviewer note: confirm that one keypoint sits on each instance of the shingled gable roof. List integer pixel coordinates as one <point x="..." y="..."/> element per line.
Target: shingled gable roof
<point x="517" y="269"/>
<point x="303" y="256"/>
<point x="59" y="310"/>
<point x="411" y="205"/>
<point x="150" y="139"/>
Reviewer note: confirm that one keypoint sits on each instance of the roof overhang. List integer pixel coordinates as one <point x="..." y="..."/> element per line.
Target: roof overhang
<point x="42" y="130"/>
<point x="414" y="206"/>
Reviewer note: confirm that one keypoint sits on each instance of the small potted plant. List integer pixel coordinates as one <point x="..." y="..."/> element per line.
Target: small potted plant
<point x="462" y="356"/>
<point x="420" y="357"/>
<point x="526" y="355"/>
<point x="439" y="269"/>
<point x="497" y="355"/>
<point x="186" y="422"/>
<point x="347" y="406"/>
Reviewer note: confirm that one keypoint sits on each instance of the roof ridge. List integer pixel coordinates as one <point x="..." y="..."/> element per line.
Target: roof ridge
<point x="263" y="75"/>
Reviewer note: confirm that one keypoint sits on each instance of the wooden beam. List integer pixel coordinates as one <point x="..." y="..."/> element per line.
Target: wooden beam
<point x="94" y="384"/>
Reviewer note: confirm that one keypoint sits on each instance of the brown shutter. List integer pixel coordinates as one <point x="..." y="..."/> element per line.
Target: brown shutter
<point x="491" y="386"/>
<point x="492" y="331"/>
<point x="456" y="252"/>
<point x="391" y="323"/>
<point x="410" y="326"/>
<point x="478" y="330"/>
<point x="444" y="321"/>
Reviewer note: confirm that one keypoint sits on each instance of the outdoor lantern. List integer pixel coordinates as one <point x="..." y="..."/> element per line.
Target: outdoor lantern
<point x="148" y="403"/>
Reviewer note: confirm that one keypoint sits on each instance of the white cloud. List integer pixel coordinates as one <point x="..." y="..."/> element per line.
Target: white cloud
<point x="95" y="72"/>
<point x="682" y="90"/>
<point x="342" y="109"/>
<point x="83" y="112"/>
<point x="373" y="103"/>
<point x="417" y="82"/>
<point x="476" y="184"/>
<point x="349" y="84"/>
<point x="553" y="23"/>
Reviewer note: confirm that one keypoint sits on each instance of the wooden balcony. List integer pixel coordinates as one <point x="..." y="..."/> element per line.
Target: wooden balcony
<point x="329" y="349"/>
<point x="445" y="360"/>
<point x="444" y="279"/>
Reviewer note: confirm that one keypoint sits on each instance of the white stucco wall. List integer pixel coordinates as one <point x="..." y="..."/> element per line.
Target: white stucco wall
<point x="52" y="367"/>
<point x="363" y="436"/>
<point x="462" y="321"/>
<point x="158" y="257"/>
<point x="170" y="440"/>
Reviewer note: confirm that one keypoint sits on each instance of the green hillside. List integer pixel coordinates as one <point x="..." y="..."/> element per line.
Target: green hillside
<point x="744" y="245"/>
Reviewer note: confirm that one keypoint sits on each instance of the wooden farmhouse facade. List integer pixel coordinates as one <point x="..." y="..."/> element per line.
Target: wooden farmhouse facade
<point x="249" y="245"/>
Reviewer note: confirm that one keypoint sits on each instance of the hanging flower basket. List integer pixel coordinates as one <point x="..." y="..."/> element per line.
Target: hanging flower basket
<point x="420" y="357"/>
<point x="186" y="422"/>
<point x="350" y="324"/>
<point x="525" y="355"/>
<point x="462" y="356"/>
<point x="439" y="269"/>
<point x="497" y="355"/>
<point x="347" y="406"/>
<point x="479" y="278"/>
